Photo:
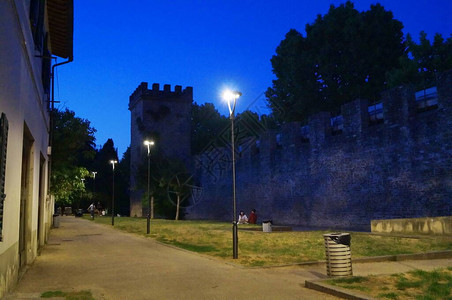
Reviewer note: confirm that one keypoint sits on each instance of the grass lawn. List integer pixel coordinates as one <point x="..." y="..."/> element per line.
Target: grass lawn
<point x="257" y="248"/>
<point x="416" y="284"/>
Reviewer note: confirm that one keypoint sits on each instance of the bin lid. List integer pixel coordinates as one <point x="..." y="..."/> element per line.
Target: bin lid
<point x="342" y="238"/>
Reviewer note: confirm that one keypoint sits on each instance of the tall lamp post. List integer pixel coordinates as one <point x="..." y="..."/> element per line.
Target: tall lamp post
<point x="94" y="188"/>
<point x="113" y="162"/>
<point x="94" y="183"/>
<point x="81" y="193"/>
<point x="148" y="224"/>
<point x="231" y="97"/>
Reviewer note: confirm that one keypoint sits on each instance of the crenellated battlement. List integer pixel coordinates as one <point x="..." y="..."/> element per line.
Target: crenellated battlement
<point x="142" y="92"/>
<point x="400" y="107"/>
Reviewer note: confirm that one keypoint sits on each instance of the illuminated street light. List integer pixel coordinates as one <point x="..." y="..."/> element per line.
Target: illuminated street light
<point x="94" y="184"/>
<point x="148" y="225"/>
<point x="94" y="188"/>
<point x="231" y="97"/>
<point x="113" y="162"/>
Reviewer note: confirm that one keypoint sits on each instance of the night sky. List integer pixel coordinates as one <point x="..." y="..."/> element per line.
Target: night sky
<point x="208" y="45"/>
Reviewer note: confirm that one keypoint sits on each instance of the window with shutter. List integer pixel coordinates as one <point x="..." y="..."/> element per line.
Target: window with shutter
<point x="3" y="144"/>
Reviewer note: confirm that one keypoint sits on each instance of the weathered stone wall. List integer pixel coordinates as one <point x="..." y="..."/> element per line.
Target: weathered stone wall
<point x="164" y="114"/>
<point x="399" y="168"/>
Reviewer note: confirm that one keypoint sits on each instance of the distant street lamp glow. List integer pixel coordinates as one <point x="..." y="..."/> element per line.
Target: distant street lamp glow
<point x="148" y="224"/>
<point x="148" y="144"/>
<point x="231" y="97"/>
<point x="113" y="162"/>
<point x="94" y="188"/>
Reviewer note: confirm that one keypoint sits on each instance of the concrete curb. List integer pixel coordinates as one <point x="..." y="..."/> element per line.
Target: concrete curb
<point x="336" y="291"/>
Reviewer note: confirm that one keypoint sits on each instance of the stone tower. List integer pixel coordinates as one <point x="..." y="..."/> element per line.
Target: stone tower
<point x="162" y="113"/>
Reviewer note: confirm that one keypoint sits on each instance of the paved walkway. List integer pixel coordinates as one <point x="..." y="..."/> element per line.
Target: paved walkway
<point x="82" y="255"/>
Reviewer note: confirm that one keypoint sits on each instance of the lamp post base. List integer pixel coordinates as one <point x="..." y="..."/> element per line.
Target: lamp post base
<point x="148" y="224"/>
<point x="235" y="241"/>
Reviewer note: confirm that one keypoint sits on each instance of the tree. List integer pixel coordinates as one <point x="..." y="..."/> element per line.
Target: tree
<point x="72" y="151"/>
<point x="422" y="62"/>
<point x="345" y="55"/>
<point x="207" y="125"/>
<point x="104" y="177"/>
<point x="123" y="183"/>
<point x="179" y="190"/>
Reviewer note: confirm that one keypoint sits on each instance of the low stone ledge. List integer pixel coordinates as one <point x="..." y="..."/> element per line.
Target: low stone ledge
<point x="427" y="225"/>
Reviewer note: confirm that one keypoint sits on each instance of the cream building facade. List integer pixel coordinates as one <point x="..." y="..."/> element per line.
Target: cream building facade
<point x="32" y="34"/>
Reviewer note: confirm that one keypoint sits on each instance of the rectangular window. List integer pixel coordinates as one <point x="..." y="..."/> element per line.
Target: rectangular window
<point x="3" y="147"/>
<point x="376" y="114"/>
<point x="278" y="140"/>
<point x="337" y="124"/>
<point x="37" y="22"/>
<point x="426" y="99"/>
<point x="46" y="64"/>
<point x="304" y="134"/>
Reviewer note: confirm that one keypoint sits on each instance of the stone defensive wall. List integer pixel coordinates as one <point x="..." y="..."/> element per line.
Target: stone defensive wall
<point x="388" y="160"/>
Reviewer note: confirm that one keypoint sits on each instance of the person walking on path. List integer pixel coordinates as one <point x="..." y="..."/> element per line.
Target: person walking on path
<point x="91" y="210"/>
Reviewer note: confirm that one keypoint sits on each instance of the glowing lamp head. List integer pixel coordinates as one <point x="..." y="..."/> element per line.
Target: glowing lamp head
<point x="231" y="96"/>
<point x="148" y="143"/>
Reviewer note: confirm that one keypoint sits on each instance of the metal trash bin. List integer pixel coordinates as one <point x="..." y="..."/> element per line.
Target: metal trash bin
<point x="68" y="210"/>
<point x="79" y="212"/>
<point x="56" y="220"/>
<point x="267" y="226"/>
<point x="338" y="254"/>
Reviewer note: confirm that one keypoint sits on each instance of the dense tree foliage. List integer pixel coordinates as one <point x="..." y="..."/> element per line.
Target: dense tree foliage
<point x="72" y="153"/>
<point x="207" y="125"/>
<point x="345" y="55"/>
<point x="163" y="173"/>
<point x="422" y="61"/>
<point x="104" y="176"/>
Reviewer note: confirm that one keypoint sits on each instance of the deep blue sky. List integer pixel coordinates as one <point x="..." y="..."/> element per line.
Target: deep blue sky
<point x="207" y="44"/>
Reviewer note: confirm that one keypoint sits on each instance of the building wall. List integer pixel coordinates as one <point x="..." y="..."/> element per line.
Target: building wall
<point x="23" y="101"/>
<point x="164" y="116"/>
<point x="396" y="169"/>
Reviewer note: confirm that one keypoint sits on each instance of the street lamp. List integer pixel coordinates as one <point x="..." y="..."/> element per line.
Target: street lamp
<point x="94" y="182"/>
<point x="148" y="144"/>
<point x="113" y="162"/>
<point x="81" y="192"/>
<point x="231" y="97"/>
<point x="94" y="188"/>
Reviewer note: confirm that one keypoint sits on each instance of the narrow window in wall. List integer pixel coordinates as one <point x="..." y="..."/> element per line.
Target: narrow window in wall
<point x="3" y="144"/>
<point x="37" y="22"/>
<point x="427" y="99"/>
